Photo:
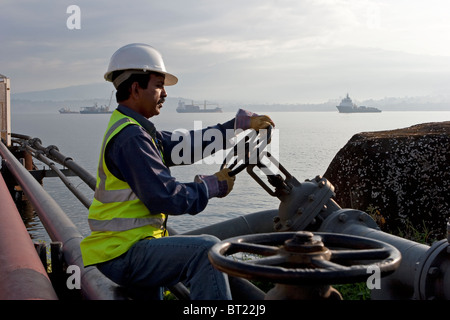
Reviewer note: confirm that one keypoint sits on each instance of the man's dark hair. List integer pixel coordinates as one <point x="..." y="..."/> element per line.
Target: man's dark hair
<point x="123" y="91"/>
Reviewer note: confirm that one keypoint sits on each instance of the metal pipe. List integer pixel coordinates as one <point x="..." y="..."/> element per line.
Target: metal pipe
<point x="258" y="222"/>
<point x="401" y="283"/>
<point x="53" y="153"/>
<point x="178" y="289"/>
<point x="20" y="136"/>
<point x="84" y="200"/>
<point x="94" y="285"/>
<point x="22" y="276"/>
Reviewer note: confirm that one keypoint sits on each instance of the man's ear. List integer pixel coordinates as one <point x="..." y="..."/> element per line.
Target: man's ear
<point x="134" y="89"/>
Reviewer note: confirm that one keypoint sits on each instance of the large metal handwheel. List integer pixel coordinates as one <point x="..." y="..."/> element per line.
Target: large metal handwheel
<point x="247" y="151"/>
<point x="304" y="258"/>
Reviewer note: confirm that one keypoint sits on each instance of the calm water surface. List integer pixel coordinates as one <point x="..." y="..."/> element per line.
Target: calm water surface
<point x="308" y="141"/>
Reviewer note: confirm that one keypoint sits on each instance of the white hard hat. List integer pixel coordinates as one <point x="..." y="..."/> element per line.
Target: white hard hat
<point x="139" y="58"/>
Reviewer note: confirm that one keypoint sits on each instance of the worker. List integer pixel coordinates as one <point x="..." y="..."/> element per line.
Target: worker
<point x="135" y="191"/>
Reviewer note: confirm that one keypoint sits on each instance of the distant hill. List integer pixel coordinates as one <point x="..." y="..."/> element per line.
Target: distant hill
<point x="92" y="91"/>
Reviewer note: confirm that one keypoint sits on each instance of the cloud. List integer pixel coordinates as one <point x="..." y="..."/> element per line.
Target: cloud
<point x="265" y="50"/>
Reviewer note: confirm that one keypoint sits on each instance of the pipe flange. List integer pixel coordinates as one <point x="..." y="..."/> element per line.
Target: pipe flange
<point x="341" y="219"/>
<point x="432" y="280"/>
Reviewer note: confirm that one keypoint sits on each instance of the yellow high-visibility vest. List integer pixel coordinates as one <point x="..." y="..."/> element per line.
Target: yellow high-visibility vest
<point x="117" y="218"/>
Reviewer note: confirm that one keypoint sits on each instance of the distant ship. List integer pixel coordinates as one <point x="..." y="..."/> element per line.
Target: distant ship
<point x="66" y="110"/>
<point x="95" y="110"/>
<point x="191" y="108"/>
<point x="347" y="106"/>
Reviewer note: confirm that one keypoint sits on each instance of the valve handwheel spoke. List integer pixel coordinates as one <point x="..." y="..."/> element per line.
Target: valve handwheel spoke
<point x="326" y="264"/>
<point x="254" y="248"/>
<point x="365" y="254"/>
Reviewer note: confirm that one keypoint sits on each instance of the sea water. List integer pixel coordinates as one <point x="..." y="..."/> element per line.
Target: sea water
<point x="308" y="142"/>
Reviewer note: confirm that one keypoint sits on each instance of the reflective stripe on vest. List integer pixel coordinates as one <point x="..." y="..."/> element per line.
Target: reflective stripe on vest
<point x="123" y="224"/>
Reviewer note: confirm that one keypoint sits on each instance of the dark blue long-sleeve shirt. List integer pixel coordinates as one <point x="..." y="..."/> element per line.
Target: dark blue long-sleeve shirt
<point x="133" y="157"/>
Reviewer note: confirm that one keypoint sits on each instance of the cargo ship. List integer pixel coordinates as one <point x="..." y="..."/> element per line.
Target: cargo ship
<point x="65" y="110"/>
<point x="95" y="109"/>
<point x="347" y="106"/>
<point x="192" y="108"/>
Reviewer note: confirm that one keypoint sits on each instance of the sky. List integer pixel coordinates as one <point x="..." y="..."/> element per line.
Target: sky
<point x="266" y="51"/>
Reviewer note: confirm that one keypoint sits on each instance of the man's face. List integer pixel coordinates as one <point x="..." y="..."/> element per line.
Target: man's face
<point x="153" y="97"/>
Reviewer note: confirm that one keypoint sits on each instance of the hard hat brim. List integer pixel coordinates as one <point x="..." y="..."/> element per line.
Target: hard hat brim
<point x="169" y="80"/>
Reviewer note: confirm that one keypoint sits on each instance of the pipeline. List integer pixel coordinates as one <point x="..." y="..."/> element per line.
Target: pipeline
<point x="94" y="285"/>
<point x="38" y="155"/>
<point x="54" y="154"/>
<point x="32" y="148"/>
<point x="424" y="272"/>
<point x="22" y="276"/>
<point x="258" y="222"/>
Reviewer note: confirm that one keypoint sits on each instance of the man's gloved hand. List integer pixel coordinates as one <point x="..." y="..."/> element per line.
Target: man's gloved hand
<point x="261" y="122"/>
<point x="248" y="120"/>
<point x="219" y="184"/>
